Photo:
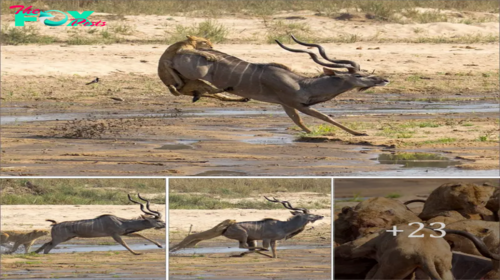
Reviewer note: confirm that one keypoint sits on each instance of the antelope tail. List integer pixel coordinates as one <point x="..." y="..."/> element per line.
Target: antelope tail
<point x="193" y="239"/>
<point x="52" y="221"/>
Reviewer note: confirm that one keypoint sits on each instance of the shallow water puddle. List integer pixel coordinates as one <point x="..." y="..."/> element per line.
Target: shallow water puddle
<point x="222" y="250"/>
<point x="425" y="108"/>
<point x="270" y="140"/>
<point x="175" y="147"/>
<point x="70" y="248"/>
<point x="415" y="160"/>
<point x="221" y="173"/>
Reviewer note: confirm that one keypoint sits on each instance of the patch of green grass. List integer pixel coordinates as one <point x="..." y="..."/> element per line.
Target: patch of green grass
<point x="321" y="130"/>
<point x="393" y="195"/>
<point x="355" y="198"/>
<point x="483" y="138"/>
<point x="195" y="201"/>
<point x="122" y="28"/>
<point x="78" y="191"/>
<point x="445" y="140"/>
<point x="241" y="187"/>
<point x="281" y="31"/>
<point x="210" y="29"/>
<point x="29" y="34"/>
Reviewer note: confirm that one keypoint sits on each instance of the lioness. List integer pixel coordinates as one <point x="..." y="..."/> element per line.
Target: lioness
<point x="196" y="88"/>
<point x="465" y="199"/>
<point x="21" y="238"/>
<point x="398" y="257"/>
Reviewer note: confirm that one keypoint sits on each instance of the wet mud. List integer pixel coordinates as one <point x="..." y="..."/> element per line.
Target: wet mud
<point x="84" y="261"/>
<point x="304" y="260"/>
<point x="251" y="139"/>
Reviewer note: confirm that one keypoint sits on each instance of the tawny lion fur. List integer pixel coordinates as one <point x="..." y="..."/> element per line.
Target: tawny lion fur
<point x="21" y="238"/>
<point x="468" y="200"/>
<point x="401" y="256"/>
<point x="176" y="84"/>
<point x="193" y="239"/>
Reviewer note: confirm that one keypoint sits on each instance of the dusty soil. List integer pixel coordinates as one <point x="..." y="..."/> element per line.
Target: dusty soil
<point x="167" y="135"/>
<point x="103" y="265"/>
<point x="311" y="261"/>
<point x="108" y="264"/>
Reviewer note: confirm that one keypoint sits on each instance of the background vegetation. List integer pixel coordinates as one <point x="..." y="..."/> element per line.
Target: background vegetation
<point x="244" y="193"/>
<point x="79" y="191"/>
<point x="383" y="9"/>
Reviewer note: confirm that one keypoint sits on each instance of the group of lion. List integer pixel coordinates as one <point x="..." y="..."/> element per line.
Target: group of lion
<point x="468" y="244"/>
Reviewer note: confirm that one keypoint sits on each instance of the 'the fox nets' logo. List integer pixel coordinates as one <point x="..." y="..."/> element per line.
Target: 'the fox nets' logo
<point x="26" y="14"/>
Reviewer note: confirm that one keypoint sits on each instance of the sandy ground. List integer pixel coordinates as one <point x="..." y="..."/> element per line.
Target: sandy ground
<point x="109" y="59"/>
<point x="261" y="140"/>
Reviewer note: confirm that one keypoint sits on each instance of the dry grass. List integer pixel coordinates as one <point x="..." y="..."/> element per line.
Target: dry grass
<point x="78" y="191"/>
<point x="382" y="9"/>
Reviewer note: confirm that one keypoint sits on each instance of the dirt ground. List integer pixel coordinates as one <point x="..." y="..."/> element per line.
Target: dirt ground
<point x="81" y="263"/>
<point x="442" y="100"/>
<point x="305" y="256"/>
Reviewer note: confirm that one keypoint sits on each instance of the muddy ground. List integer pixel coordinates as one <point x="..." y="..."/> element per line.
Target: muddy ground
<point x="95" y="265"/>
<point x="442" y="100"/>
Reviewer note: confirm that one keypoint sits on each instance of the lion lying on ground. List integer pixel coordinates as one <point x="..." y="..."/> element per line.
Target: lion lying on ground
<point x="398" y="257"/>
<point x="196" y="88"/>
<point x="370" y="216"/>
<point x="459" y="201"/>
<point x="195" y="238"/>
<point x="20" y="238"/>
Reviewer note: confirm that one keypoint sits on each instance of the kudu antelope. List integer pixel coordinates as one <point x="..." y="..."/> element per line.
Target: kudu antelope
<point x="106" y="225"/>
<point x="270" y="230"/>
<point x="275" y="83"/>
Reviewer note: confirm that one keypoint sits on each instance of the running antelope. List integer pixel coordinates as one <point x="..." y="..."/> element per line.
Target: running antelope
<point x="106" y="225"/>
<point x="270" y="230"/>
<point x="275" y="83"/>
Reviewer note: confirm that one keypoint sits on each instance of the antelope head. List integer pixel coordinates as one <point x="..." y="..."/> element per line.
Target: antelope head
<point x="297" y="211"/>
<point x="354" y="74"/>
<point x="153" y="217"/>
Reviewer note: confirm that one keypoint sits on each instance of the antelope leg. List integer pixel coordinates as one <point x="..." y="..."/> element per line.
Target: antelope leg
<point x="313" y="113"/>
<point x="118" y="239"/>
<point x="41" y="248"/>
<point x="144" y="237"/>
<point x="273" y="248"/>
<point x="294" y="115"/>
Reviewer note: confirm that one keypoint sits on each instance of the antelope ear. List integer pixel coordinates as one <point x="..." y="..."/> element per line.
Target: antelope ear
<point x="190" y="37"/>
<point x="329" y="72"/>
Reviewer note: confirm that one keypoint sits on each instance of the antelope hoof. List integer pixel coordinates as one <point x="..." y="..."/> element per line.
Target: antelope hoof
<point x="245" y="100"/>
<point x="159" y="246"/>
<point x="360" y="134"/>
<point x="196" y="98"/>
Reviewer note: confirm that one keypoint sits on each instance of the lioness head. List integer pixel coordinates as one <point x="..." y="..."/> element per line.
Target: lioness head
<point x="199" y="42"/>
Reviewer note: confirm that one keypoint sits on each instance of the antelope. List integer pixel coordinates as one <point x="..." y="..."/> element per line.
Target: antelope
<point x="270" y="230"/>
<point x="106" y="225"/>
<point x="275" y="83"/>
